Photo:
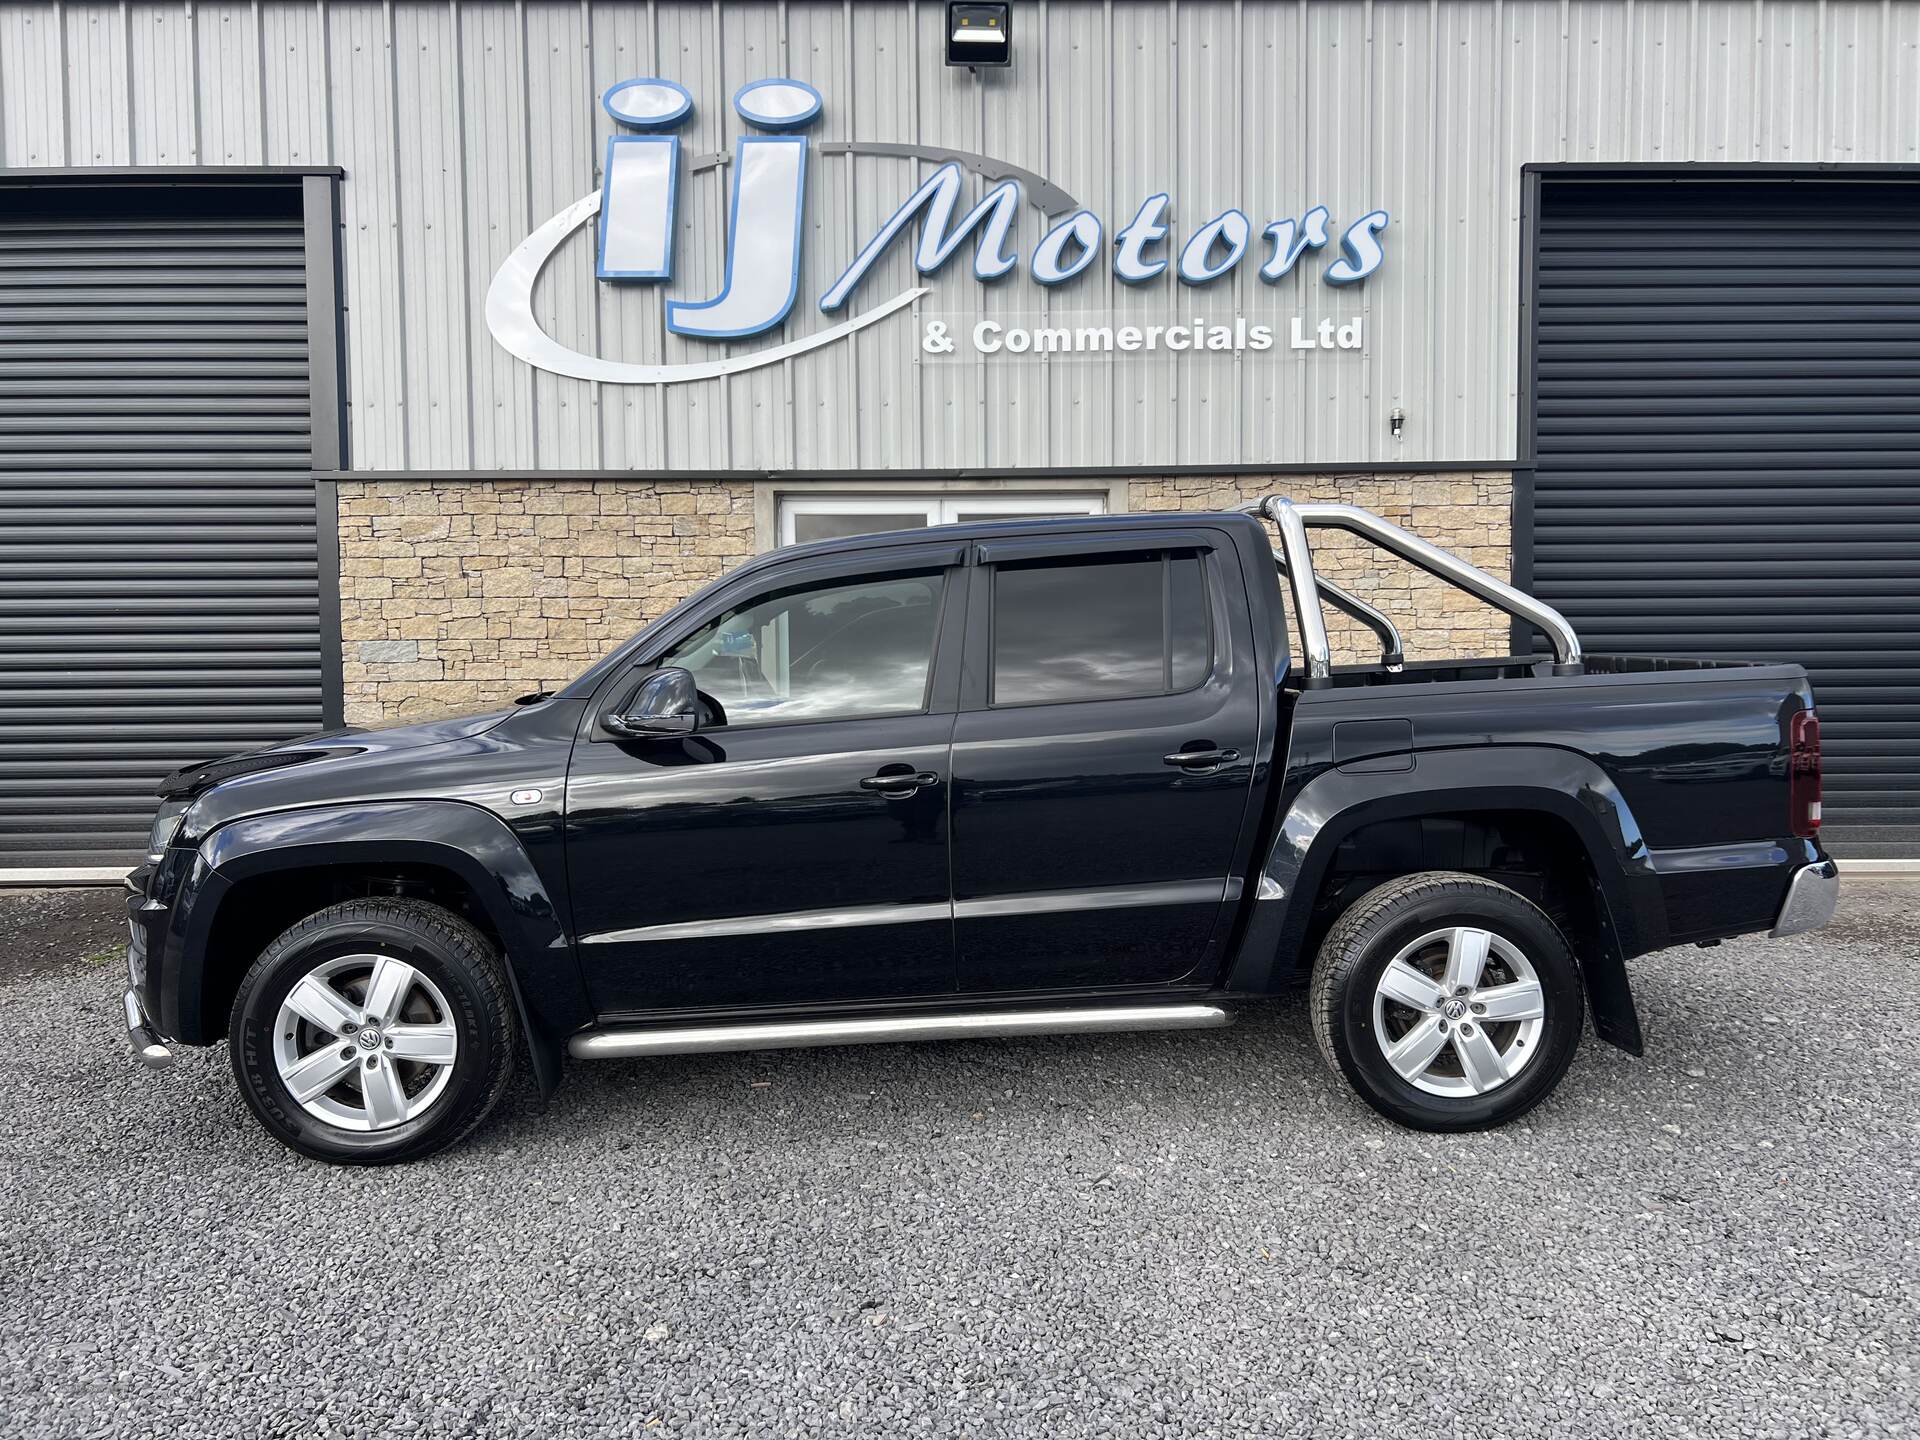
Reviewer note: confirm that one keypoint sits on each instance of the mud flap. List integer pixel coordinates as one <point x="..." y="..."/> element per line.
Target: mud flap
<point x="1610" y="997"/>
<point x="544" y="1050"/>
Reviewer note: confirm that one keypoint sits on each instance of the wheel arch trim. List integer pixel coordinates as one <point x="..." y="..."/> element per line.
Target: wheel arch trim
<point x="1539" y="780"/>
<point x="467" y="842"/>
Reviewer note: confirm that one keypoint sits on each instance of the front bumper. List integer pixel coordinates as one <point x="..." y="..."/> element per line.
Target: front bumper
<point x="145" y="924"/>
<point x="147" y="1047"/>
<point x="1812" y="895"/>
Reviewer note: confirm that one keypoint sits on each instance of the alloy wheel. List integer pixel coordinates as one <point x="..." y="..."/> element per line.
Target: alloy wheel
<point x="365" y="1042"/>
<point x="1459" y="1012"/>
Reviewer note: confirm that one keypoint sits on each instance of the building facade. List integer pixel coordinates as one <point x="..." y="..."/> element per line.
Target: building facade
<point x="363" y="360"/>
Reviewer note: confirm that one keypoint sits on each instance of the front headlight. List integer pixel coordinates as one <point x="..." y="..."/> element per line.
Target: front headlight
<point x="166" y="825"/>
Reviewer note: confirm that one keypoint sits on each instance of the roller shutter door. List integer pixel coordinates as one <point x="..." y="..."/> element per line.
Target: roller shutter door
<point x="159" y="581"/>
<point x="1727" y="436"/>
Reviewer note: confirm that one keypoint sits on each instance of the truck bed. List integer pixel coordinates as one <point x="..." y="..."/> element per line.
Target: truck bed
<point x="1677" y="767"/>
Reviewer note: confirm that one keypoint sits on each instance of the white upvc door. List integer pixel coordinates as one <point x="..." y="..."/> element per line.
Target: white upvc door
<point x="804" y="518"/>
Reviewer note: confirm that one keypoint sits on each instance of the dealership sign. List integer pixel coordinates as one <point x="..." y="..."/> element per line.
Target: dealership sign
<point x="636" y="204"/>
<point x="1093" y="335"/>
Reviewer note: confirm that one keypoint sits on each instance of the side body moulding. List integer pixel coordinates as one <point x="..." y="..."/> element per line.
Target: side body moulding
<point x="1049" y="902"/>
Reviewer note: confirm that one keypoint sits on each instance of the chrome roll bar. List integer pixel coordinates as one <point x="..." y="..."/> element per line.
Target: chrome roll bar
<point x="1306" y="587"/>
<point x="1293" y="520"/>
<point x="1393" y="650"/>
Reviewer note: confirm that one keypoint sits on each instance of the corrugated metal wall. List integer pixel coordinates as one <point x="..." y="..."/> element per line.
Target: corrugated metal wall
<point x="462" y="125"/>
<point x="1729" y="450"/>
<point x="160" y="593"/>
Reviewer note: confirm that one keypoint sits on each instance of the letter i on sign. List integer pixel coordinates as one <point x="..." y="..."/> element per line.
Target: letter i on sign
<point x="642" y="179"/>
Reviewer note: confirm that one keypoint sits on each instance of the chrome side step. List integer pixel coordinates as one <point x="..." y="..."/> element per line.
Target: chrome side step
<point x="148" y="1048"/>
<point x="797" y="1034"/>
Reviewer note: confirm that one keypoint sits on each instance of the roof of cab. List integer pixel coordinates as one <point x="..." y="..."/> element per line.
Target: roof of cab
<point x="991" y="529"/>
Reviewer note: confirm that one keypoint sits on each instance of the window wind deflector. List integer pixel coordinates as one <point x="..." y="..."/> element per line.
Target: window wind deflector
<point x="1099" y="542"/>
<point x="854" y="553"/>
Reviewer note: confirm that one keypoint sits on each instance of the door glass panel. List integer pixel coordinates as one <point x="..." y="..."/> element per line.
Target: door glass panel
<point x="827" y="653"/>
<point x="1107" y="629"/>
<point x="809" y="525"/>
<point x="1189" y="624"/>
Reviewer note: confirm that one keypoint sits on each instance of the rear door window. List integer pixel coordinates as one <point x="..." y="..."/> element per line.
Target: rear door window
<point x="1099" y="628"/>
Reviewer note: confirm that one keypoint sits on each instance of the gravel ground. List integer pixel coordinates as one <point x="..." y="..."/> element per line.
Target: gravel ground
<point x="1196" y="1234"/>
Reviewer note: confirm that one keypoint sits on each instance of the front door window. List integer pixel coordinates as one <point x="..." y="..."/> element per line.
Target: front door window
<point x="833" y="652"/>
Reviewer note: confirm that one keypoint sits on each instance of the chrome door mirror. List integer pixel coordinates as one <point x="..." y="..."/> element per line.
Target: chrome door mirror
<point x="667" y="704"/>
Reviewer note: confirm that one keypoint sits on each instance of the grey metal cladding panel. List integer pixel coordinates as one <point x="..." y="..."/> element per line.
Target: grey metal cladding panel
<point x="460" y="126"/>
<point x="159" y="578"/>
<point x="1729" y="449"/>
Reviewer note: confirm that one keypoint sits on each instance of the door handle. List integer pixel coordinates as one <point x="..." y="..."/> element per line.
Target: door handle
<point x="904" y="784"/>
<point x="1201" y="759"/>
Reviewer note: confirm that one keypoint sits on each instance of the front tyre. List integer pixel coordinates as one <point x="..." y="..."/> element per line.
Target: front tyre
<point x="374" y="1031"/>
<point x="1448" y="1002"/>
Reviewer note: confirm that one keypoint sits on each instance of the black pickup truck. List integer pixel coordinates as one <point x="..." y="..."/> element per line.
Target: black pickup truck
<point x="987" y="780"/>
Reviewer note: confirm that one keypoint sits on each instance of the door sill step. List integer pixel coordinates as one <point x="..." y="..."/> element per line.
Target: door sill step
<point x="799" y="1034"/>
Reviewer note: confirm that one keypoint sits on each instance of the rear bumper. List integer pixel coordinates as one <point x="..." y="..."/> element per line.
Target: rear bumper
<point x="1812" y="895"/>
<point x="147" y="1047"/>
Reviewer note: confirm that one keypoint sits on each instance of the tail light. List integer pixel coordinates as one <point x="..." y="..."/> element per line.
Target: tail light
<point x="1803" y="773"/>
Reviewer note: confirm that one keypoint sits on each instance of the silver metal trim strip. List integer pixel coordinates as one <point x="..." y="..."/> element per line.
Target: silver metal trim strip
<point x="730" y="925"/>
<point x="1043" y="902"/>
<point x="1110" y="897"/>
<point x="803" y="1034"/>
<point x="67" y="875"/>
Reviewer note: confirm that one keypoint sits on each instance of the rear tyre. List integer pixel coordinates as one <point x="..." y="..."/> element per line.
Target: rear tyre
<point x="373" y="1032"/>
<point x="1448" y="1002"/>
